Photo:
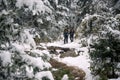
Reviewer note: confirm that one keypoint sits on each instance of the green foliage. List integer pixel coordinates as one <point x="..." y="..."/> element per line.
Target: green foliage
<point x="45" y="78"/>
<point x="105" y="57"/>
<point x="36" y="69"/>
<point x="58" y="74"/>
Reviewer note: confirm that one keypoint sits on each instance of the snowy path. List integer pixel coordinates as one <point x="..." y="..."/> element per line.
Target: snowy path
<point x="81" y="61"/>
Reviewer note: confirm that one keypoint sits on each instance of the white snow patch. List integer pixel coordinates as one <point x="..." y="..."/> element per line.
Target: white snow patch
<point x="115" y="79"/>
<point x="29" y="71"/>
<point x="61" y="44"/>
<point x="35" y="5"/>
<point x="42" y="74"/>
<point x="40" y="20"/>
<point x="36" y="61"/>
<point x="65" y="77"/>
<point x="56" y="1"/>
<point x="81" y="61"/>
<point x="5" y="57"/>
<point x="18" y="48"/>
<point x="41" y="52"/>
<point x="27" y="38"/>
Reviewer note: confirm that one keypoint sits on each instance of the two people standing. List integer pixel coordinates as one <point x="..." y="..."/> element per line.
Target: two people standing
<point x="68" y="32"/>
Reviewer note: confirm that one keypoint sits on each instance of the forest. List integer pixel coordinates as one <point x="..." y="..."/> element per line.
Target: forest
<point x="32" y="43"/>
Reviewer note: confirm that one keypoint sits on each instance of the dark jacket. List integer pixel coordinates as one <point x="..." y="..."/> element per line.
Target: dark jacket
<point x="72" y="32"/>
<point x="65" y="33"/>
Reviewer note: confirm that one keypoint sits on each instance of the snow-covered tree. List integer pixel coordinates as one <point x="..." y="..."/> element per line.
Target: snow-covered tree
<point x="19" y="58"/>
<point x="105" y="51"/>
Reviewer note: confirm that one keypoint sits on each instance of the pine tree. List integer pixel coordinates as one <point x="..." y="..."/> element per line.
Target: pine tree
<point x="15" y="63"/>
<point x="105" y="57"/>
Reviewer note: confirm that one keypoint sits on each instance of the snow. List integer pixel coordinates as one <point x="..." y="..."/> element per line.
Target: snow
<point x="81" y="61"/>
<point x="4" y="12"/>
<point x="65" y="77"/>
<point x="28" y="44"/>
<point x="35" y="5"/>
<point x="61" y="44"/>
<point x="56" y="1"/>
<point x="62" y="13"/>
<point x="41" y="52"/>
<point x="36" y="62"/>
<point x="5" y="56"/>
<point x="114" y="79"/>
<point x="62" y="23"/>
<point x="28" y="53"/>
<point x="62" y="7"/>
<point x="48" y="18"/>
<point x="117" y="16"/>
<point x="17" y="48"/>
<point x="28" y="39"/>
<point x="117" y="5"/>
<point x="40" y="20"/>
<point x="29" y="71"/>
<point x="42" y="74"/>
<point x="114" y="32"/>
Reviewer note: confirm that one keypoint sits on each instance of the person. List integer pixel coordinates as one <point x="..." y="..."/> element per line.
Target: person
<point x="65" y="35"/>
<point x="72" y="34"/>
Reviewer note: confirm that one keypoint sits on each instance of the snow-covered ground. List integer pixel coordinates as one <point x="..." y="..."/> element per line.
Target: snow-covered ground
<point x="82" y="61"/>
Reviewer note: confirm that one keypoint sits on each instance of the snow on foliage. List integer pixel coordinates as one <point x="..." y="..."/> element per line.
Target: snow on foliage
<point x="41" y="75"/>
<point x="117" y="5"/>
<point x="29" y="71"/>
<point x="117" y="16"/>
<point x="56" y="1"/>
<point x="27" y="38"/>
<point x="5" y="56"/>
<point x="35" y="5"/>
<point x="24" y="59"/>
<point x="36" y="62"/>
<point x="62" y="8"/>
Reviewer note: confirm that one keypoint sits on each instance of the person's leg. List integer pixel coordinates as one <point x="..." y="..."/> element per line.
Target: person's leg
<point x="66" y="39"/>
<point x="71" y="38"/>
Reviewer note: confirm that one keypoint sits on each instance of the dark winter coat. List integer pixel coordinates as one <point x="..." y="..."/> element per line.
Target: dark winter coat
<point x="66" y="33"/>
<point x="72" y="32"/>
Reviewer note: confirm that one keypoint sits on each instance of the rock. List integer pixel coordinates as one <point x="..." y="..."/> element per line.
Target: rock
<point x="70" y="53"/>
<point x="57" y="48"/>
<point x="40" y="48"/>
